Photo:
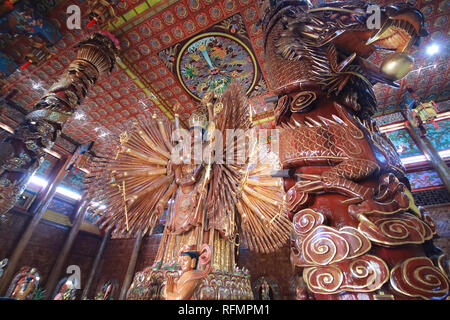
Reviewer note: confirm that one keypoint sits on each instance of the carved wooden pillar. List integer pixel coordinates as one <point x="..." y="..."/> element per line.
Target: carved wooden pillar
<point x="60" y="261"/>
<point x="356" y="231"/>
<point x="131" y="266"/>
<point x="44" y="200"/>
<point x="22" y="153"/>
<point x="95" y="264"/>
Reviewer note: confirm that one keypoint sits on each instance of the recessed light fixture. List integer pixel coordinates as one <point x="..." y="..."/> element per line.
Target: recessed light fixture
<point x="432" y="49"/>
<point x="445" y="154"/>
<point x="41" y="182"/>
<point x="68" y="193"/>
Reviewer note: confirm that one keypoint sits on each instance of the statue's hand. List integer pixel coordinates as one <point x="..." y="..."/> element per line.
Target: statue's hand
<point x="170" y="168"/>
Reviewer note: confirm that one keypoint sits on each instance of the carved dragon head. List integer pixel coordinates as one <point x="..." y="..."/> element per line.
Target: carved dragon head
<point x="327" y="46"/>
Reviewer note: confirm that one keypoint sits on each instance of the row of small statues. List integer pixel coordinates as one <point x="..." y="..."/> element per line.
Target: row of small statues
<point x="25" y="285"/>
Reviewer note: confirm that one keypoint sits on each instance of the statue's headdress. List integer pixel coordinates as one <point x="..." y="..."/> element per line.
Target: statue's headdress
<point x="199" y="118"/>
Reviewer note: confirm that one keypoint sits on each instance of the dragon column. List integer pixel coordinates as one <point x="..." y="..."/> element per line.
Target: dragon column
<point x="22" y="153"/>
<point x="357" y="233"/>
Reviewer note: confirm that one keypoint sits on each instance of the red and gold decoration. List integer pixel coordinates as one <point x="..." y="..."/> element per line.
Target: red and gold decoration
<point x="101" y="11"/>
<point x="22" y="153"/>
<point x="357" y="233"/>
<point x="25" y="284"/>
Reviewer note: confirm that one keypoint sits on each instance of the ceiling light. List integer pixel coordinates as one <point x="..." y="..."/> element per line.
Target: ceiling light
<point x="432" y="49"/>
<point x="445" y="154"/>
<point x="41" y="182"/>
<point x="6" y="128"/>
<point x="68" y="193"/>
<point x="53" y="153"/>
<point x="38" y="181"/>
<point x="414" y="159"/>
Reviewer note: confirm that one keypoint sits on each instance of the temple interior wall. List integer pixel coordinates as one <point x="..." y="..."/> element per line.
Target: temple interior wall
<point x="46" y="243"/>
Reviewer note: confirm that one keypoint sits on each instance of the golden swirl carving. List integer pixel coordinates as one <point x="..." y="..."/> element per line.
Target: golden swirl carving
<point x="303" y="100"/>
<point x="417" y="277"/>
<point x="358" y="243"/>
<point x="295" y="200"/>
<point x="323" y="280"/>
<point x="282" y="110"/>
<point x="326" y="245"/>
<point x="394" y="229"/>
<point x="366" y="273"/>
<point x="398" y="229"/>
<point x="430" y="222"/>
<point x="305" y="220"/>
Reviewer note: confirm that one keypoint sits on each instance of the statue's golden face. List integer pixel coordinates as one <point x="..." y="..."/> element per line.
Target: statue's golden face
<point x="187" y="263"/>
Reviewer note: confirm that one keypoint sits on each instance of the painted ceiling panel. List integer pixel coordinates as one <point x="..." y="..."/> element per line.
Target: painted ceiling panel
<point x="424" y="179"/>
<point x="439" y="137"/>
<point x="403" y="143"/>
<point x="144" y="83"/>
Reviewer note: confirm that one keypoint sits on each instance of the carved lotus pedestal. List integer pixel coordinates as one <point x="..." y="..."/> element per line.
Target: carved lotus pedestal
<point x="218" y="285"/>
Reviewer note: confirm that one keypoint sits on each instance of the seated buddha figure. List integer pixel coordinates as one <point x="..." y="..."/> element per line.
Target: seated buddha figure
<point x="190" y="277"/>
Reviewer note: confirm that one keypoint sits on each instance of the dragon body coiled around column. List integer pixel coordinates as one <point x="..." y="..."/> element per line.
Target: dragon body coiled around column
<point x="356" y="231"/>
<point x="22" y="153"/>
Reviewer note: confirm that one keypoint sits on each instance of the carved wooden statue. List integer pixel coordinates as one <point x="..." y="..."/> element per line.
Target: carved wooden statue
<point x="357" y="233"/>
<point x="24" y="284"/>
<point x="206" y="201"/>
<point x="190" y="277"/>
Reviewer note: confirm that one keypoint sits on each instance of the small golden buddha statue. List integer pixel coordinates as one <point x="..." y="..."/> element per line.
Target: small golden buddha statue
<point x="190" y="276"/>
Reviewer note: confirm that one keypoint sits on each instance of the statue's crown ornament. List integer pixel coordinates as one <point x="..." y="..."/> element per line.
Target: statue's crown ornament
<point x="199" y="118"/>
<point x="187" y="248"/>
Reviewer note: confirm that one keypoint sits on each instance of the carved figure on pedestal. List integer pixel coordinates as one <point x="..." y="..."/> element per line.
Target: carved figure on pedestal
<point x="221" y="183"/>
<point x="190" y="275"/>
<point x="24" y="284"/>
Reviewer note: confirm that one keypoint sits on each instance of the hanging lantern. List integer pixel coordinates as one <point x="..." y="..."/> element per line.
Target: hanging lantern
<point x="427" y="112"/>
<point x="101" y="11"/>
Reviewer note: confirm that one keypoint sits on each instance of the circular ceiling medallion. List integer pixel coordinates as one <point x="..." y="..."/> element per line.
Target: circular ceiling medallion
<point x="210" y="61"/>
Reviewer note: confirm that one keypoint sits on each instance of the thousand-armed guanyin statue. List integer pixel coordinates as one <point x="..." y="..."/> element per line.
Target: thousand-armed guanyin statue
<point x="219" y="188"/>
<point x="357" y="233"/>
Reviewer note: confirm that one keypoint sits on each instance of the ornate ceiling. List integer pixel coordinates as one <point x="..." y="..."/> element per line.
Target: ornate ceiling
<point x="172" y="51"/>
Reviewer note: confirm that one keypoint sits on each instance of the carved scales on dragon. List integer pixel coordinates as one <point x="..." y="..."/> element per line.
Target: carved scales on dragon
<point x="357" y="233"/>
